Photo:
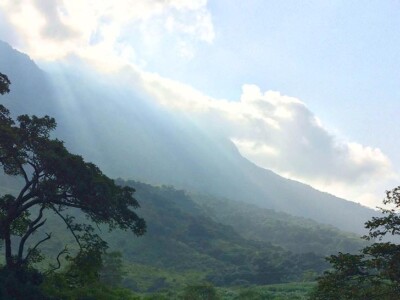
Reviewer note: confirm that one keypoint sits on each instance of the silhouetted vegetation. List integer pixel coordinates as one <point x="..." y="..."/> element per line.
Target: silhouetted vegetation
<point x="53" y="181"/>
<point x="374" y="273"/>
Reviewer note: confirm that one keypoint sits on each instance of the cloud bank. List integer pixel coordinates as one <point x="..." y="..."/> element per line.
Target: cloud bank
<point x="280" y="133"/>
<point x="53" y="29"/>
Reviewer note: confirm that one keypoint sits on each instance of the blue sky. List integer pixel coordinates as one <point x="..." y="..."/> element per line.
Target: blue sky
<point x="340" y="57"/>
<point x="337" y="60"/>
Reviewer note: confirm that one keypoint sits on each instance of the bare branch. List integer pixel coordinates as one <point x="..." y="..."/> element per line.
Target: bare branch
<point x="32" y="184"/>
<point x="33" y="226"/>
<point x="64" y="251"/>
<point x="48" y="236"/>
<point x="68" y="226"/>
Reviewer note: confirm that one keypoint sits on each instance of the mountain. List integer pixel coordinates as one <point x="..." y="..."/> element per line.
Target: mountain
<point x="127" y="135"/>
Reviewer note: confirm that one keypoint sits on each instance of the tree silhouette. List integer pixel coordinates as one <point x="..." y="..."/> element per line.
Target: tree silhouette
<point x="54" y="180"/>
<point x="374" y="273"/>
<point x="4" y="84"/>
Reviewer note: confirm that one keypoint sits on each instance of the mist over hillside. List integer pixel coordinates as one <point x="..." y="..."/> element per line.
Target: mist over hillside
<point x="197" y="237"/>
<point x="127" y="135"/>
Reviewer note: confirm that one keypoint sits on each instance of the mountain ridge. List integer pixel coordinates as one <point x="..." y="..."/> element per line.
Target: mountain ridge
<point x="136" y="139"/>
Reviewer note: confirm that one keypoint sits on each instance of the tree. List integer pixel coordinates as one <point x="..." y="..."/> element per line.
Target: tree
<point x="54" y="180"/>
<point x="4" y="84"/>
<point x="374" y="273"/>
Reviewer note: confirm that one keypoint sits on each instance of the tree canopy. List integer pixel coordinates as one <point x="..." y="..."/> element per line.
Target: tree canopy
<point x="4" y="84"/>
<point x="54" y="180"/>
<point x="374" y="273"/>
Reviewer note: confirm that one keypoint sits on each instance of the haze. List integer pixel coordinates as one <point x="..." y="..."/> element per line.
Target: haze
<point x="308" y="91"/>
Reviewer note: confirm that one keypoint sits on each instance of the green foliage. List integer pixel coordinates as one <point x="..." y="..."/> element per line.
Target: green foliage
<point x="22" y="283"/>
<point x="200" y="292"/>
<point x="145" y="278"/>
<point x="84" y="268"/>
<point x="290" y="291"/>
<point x="4" y="84"/>
<point x="296" y="234"/>
<point x="57" y="287"/>
<point x="112" y="271"/>
<point x="54" y="180"/>
<point x="182" y="237"/>
<point x="252" y="294"/>
<point x="184" y="246"/>
<point x="84" y="276"/>
<point x="374" y="273"/>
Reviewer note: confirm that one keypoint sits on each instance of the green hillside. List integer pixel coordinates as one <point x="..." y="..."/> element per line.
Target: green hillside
<point x="182" y="238"/>
<point x="296" y="234"/>
<point x="196" y="238"/>
<point x="190" y="241"/>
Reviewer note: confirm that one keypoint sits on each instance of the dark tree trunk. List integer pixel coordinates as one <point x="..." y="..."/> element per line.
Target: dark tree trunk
<point x="7" y="240"/>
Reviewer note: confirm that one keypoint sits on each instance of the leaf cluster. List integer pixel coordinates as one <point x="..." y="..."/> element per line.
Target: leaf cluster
<point x="374" y="273"/>
<point x="4" y="84"/>
<point x="55" y="181"/>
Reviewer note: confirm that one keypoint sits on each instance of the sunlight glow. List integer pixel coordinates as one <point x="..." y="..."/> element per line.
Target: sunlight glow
<point x="271" y="129"/>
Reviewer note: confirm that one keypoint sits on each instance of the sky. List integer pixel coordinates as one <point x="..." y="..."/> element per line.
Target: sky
<point x="308" y="89"/>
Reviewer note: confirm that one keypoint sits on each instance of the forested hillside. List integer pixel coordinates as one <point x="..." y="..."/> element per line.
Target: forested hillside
<point x="213" y="240"/>
<point x="293" y="233"/>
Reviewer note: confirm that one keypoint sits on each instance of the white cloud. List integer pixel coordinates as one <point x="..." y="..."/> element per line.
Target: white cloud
<point x="280" y="133"/>
<point x="52" y="29"/>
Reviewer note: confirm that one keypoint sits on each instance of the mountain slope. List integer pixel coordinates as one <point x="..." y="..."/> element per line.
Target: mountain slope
<point x="184" y="240"/>
<point x="296" y="234"/>
<point x="117" y="127"/>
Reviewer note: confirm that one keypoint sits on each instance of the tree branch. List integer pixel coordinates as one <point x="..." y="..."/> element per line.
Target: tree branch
<point x="48" y="236"/>
<point x="22" y="198"/>
<point x="64" y="251"/>
<point x="33" y="166"/>
<point x="52" y="201"/>
<point x="22" y="193"/>
<point x="68" y="226"/>
<point x="27" y="181"/>
<point x="33" y="226"/>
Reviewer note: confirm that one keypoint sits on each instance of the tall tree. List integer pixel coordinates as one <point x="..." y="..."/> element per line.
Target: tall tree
<point x="54" y="180"/>
<point x="374" y="273"/>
